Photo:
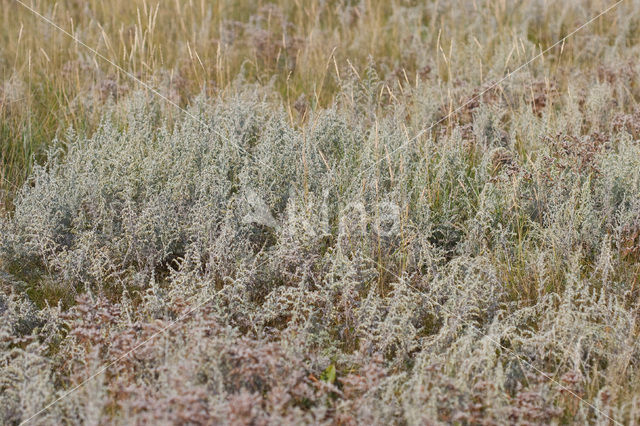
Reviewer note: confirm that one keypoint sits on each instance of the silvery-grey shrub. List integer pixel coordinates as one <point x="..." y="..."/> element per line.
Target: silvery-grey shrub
<point x="436" y="277"/>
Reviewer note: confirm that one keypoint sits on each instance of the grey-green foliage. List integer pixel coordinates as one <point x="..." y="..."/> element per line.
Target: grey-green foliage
<point x="439" y="274"/>
<point x="135" y="199"/>
<point x="130" y="200"/>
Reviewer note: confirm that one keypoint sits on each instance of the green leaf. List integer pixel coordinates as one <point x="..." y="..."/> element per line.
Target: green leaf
<point x="329" y="374"/>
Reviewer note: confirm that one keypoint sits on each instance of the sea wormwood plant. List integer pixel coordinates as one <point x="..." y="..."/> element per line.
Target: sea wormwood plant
<point x="335" y="271"/>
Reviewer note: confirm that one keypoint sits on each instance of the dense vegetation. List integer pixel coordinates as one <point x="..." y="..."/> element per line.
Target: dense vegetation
<point x="300" y="244"/>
